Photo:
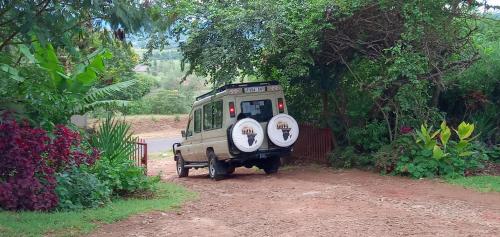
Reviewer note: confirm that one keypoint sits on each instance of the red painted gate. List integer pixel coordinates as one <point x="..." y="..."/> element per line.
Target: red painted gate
<point x="313" y="144"/>
<point x="140" y="154"/>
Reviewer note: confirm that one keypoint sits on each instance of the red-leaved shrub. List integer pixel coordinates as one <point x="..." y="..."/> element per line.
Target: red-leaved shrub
<point x="29" y="160"/>
<point x="65" y="150"/>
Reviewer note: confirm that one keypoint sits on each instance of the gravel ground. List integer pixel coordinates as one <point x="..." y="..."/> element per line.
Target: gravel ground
<point x="315" y="201"/>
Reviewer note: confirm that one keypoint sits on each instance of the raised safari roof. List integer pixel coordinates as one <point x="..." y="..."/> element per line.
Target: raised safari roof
<point x="237" y="85"/>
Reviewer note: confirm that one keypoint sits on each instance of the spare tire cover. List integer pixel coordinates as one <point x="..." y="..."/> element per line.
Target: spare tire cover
<point x="283" y="130"/>
<point x="247" y="135"/>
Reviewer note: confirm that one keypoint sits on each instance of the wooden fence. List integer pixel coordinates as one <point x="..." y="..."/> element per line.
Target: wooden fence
<point x="140" y="155"/>
<point x="313" y="144"/>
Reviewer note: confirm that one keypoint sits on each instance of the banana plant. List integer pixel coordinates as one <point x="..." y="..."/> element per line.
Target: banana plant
<point x="80" y="83"/>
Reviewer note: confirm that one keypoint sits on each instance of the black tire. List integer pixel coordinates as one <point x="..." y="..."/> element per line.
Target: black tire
<point x="216" y="169"/>
<point x="181" y="170"/>
<point x="272" y="165"/>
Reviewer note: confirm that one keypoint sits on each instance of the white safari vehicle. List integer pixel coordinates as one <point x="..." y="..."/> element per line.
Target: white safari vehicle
<point x="237" y="125"/>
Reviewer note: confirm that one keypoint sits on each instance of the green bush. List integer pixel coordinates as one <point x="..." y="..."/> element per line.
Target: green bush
<point x="370" y="137"/>
<point x="437" y="155"/>
<point x="388" y="156"/>
<point x="144" y="84"/>
<point x="123" y="177"/>
<point x="78" y="189"/>
<point x="161" y="102"/>
<point x="494" y="154"/>
<point x="115" y="168"/>
<point x="348" y="158"/>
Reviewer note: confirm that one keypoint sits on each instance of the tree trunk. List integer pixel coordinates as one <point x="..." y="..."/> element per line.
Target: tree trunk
<point x="325" y="114"/>
<point x="324" y="98"/>
<point x="435" y="96"/>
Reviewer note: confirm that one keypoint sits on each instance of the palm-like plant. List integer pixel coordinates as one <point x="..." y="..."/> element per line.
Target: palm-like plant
<point x="114" y="140"/>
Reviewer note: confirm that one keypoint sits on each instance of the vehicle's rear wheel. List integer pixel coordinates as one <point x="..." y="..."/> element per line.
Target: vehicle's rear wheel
<point x="181" y="170"/>
<point x="271" y="165"/>
<point x="216" y="169"/>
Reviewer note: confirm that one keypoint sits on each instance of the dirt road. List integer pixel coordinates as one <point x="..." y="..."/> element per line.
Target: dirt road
<point x="316" y="201"/>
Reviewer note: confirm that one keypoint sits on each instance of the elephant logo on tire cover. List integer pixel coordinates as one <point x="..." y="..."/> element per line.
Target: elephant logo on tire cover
<point x="248" y="131"/>
<point x="283" y="126"/>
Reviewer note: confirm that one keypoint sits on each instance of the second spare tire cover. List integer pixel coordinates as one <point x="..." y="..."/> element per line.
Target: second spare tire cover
<point x="247" y="135"/>
<point x="283" y="130"/>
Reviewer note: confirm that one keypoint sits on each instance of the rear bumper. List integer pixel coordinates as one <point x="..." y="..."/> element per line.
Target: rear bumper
<point x="260" y="154"/>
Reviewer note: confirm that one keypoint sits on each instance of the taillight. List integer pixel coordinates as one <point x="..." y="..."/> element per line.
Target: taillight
<point x="281" y="105"/>
<point x="232" y="112"/>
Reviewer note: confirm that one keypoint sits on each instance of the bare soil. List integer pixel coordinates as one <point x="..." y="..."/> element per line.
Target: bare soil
<point x="153" y="126"/>
<point x="315" y="201"/>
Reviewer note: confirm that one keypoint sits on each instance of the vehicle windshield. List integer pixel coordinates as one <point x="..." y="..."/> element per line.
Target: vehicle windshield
<point x="260" y="110"/>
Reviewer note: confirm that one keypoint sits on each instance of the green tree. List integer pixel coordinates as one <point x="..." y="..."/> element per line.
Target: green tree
<point x="388" y="52"/>
<point x="62" y="22"/>
<point x="46" y="94"/>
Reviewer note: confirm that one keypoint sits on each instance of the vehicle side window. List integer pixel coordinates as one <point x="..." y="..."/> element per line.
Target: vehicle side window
<point x="217" y="113"/>
<point x="197" y="121"/>
<point x="189" y="130"/>
<point x="207" y="117"/>
<point x="212" y="115"/>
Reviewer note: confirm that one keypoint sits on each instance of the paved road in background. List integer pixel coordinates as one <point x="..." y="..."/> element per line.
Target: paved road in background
<point x="161" y="144"/>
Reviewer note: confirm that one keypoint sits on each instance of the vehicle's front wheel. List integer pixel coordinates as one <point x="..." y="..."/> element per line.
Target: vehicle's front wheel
<point x="216" y="170"/>
<point x="181" y="170"/>
<point x="272" y="165"/>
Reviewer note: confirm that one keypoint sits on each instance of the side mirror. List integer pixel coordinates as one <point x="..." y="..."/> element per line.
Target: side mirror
<point x="183" y="132"/>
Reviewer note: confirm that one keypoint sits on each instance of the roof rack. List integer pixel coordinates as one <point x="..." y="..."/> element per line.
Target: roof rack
<point x="236" y="85"/>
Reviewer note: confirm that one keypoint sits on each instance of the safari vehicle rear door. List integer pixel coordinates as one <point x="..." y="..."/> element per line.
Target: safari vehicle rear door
<point x="259" y="108"/>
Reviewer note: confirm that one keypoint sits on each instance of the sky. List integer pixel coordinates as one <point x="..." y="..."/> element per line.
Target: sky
<point x="494" y="2"/>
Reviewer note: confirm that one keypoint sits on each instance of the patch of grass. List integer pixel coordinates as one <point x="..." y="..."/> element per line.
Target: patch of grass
<point x="479" y="183"/>
<point x="168" y="196"/>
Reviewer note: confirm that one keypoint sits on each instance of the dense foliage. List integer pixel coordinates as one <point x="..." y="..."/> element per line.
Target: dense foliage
<point x="58" y="59"/>
<point x="115" y="167"/>
<point x="66" y="23"/>
<point x="162" y="102"/>
<point x="30" y="160"/>
<point x="43" y="92"/>
<point x="79" y="189"/>
<point x="41" y="171"/>
<point x="372" y="71"/>
<point x="434" y="153"/>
